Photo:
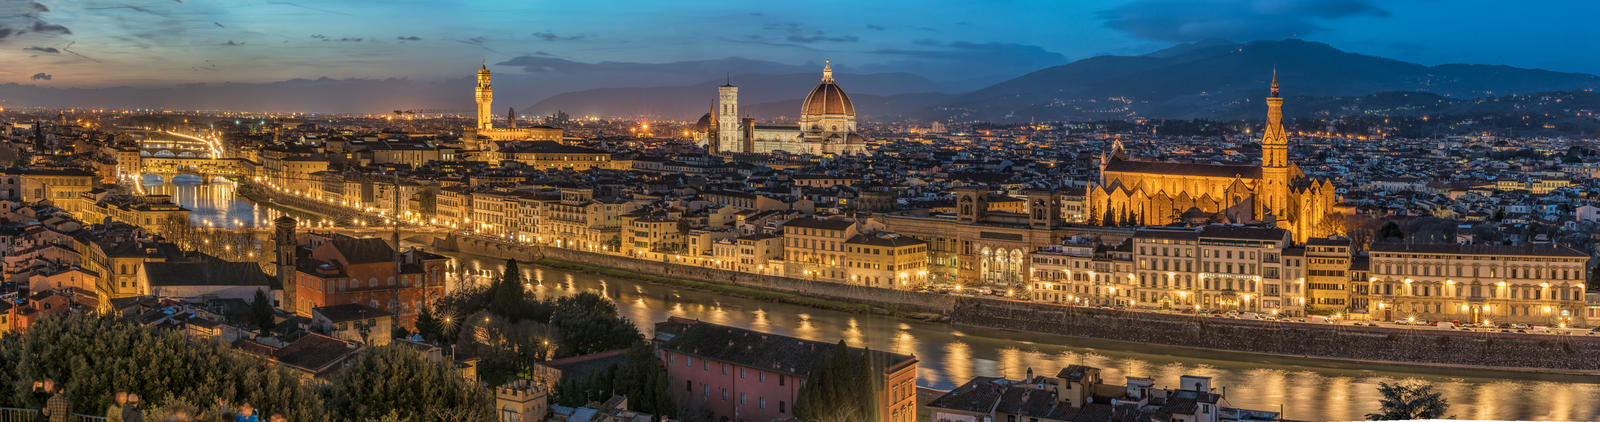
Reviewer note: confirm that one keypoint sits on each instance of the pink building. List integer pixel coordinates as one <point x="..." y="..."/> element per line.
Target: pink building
<point x="743" y="375"/>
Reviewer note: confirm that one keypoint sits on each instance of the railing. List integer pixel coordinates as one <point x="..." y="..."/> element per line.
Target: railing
<point x="11" y="414"/>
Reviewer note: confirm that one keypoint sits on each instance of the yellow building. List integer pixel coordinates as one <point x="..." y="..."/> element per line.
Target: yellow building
<point x="1074" y="273"/>
<point x="1478" y="284"/>
<point x="545" y="155"/>
<point x="886" y="261"/>
<point x="1328" y="286"/>
<point x="1132" y="192"/>
<point x="650" y="235"/>
<point x="65" y="188"/>
<point x="1218" y="267"/>
<point x="581" y="221"/>
<point x="814" y="249"/>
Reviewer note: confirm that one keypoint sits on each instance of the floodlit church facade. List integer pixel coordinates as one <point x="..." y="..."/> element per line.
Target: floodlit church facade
<point x="827" y="125"/>
<point x="1134" y="192"/>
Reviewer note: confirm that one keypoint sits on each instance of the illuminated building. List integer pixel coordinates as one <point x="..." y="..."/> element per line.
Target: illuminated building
<point x="484" y="129"/>
<point x="827" y="125"/>
<point x="1132" y="192"/>
<point x="1527" y="284"/>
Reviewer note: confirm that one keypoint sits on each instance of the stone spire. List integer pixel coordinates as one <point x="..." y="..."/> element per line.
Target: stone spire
<point x="1274" y="83"/>
<point x="827" y="71"/>
<point x="1274" y="185"/>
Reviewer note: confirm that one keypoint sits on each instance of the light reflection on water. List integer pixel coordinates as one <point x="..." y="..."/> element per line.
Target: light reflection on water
<point x="215" y="204"/>
<point x="950" y="356"/>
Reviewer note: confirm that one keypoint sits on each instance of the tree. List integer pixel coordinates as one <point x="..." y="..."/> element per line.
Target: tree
<point x="395" y="380"/>
<point x="1409" y="401"/>
<point x="841" y="388"/>
<point x="1390" y="231"/>
<point x="428" y="326"/>
<point x="261" y="312"/>
<point x="95" y="355"/>
<point x="588" y="323"/>
<point x="643" y="379"/>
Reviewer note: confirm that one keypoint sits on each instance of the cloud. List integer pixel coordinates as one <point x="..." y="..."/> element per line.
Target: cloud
<point x="409" y="38"/>
<point x="478" y="42"/>
<point x="232" y="43"/>
<point x="341" y="39"/>
<point x="551" y="36"/>
<point x="41" y="76"/>
<point x="218" y="24"/>
<point x="799" y="34"/>
<point x="761" y="40"/>
<point x="875" y="27"/>
<point x="1184" y="21"/>
<point x="50" y="50"/>
<point x="955" y="59"/>
<point x="807" y="39"/>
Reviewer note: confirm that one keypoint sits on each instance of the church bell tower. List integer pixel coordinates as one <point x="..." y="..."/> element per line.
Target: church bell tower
<point x="727" y="117"/>
<point x="1274" y="159"/>
<point x="485" y="96"/>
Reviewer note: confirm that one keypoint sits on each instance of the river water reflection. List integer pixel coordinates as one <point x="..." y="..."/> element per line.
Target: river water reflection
<point x="951" y="355"/>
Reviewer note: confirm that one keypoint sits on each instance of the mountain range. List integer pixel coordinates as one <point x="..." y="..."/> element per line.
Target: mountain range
<point x="1208" y="79"/>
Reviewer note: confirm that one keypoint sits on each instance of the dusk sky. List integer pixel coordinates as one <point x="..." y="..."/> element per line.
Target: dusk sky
<point x="99" y="43"/>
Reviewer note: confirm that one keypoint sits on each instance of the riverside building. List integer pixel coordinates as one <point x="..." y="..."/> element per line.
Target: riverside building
<point x="1478" y="284"/>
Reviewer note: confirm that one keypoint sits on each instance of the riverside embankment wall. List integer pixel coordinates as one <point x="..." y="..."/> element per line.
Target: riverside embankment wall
<point x="1422" y="345"/>
<point x="905" y="301"/>
<point x="1427" y="346"/>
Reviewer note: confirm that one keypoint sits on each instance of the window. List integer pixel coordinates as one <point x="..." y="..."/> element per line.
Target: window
<point x="780" y="402"/>
<point x="761" y="402"/>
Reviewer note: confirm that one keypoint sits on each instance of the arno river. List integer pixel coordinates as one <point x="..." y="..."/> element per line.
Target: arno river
<point x="948" y="356"/>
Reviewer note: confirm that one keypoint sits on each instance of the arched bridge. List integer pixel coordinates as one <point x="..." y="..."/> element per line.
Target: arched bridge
<point x="203" y="167"/>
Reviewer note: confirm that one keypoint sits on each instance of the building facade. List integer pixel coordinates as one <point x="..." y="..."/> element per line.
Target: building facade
<point x="1132" y="192"/>
<point x="1477" y="284"/>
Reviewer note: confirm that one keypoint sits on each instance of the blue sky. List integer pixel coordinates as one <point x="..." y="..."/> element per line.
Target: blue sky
<point x="89" y="43"/>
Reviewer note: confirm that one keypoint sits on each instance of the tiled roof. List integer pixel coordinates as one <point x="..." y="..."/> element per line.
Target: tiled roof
<point x="1184" y="169"/>
<point x="1455" y="249"/>
<point x="754" y="349"/>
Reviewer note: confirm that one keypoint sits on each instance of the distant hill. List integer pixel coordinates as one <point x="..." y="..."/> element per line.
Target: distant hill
<point x="1206" y="79"/>
<point x="685" y="102"/>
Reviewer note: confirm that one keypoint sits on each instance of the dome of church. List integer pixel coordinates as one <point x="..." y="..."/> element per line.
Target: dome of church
<point x="704" y="124"/>
<point x="827" y="98"/>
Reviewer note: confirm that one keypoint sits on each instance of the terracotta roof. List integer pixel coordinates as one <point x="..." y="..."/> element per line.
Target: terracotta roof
<point x="815" y="223"/>
<point x="1451" y="248"/>
<point x="1184" y="169"/>
<point x="313" y="352"/>
<point x="755" y="349"/>
<point x="827" y="98"/>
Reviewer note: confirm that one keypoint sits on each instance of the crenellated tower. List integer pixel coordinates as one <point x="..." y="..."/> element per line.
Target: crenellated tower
<point x="1274" y="159"/>
<point x="485" y="96"/>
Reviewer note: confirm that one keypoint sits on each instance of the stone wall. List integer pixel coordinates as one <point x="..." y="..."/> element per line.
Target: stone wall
<point x="1427" y="346"/>
<point x="905" y="301"/>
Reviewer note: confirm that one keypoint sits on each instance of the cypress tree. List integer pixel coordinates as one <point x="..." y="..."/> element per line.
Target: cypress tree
<point x="261" y="312"/>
